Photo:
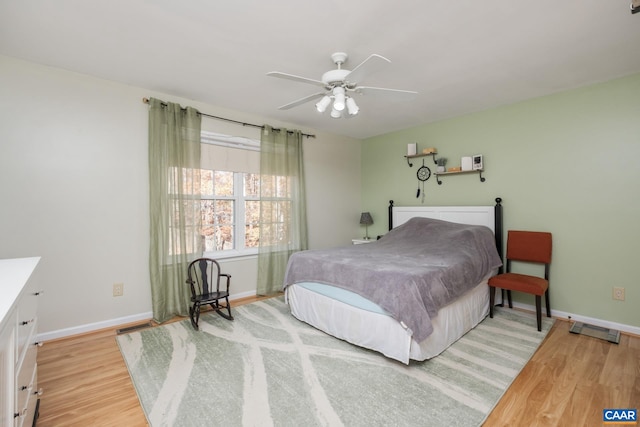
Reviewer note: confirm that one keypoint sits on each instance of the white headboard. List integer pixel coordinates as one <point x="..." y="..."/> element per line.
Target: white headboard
<point x="489" y="216"/>
<point x="474" y="215"/>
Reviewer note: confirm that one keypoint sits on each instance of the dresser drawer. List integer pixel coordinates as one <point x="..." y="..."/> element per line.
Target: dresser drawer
<point x="30" y="409"/>
<point x="25" y="336"/>
<point x="27" y="401"/>
<point x="27" y="319"/>
<point x="28" y="304"/>
<point x="25" y="377"/>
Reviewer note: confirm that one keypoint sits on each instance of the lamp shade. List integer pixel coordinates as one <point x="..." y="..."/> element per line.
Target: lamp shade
<point x="339" y="98"/>
<point x="365" y="218"/>
<point x="352" y="107"/>
<point x="322" y="105"/>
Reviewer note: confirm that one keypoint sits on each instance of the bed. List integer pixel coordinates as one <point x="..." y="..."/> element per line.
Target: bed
<point x="410" y="294"/>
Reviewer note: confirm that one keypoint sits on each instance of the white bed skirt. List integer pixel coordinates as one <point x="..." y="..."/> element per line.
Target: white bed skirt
<point x="381" y="332"/>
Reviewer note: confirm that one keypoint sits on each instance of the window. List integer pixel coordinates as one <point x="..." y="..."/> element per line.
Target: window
<point x="189" y="180"/>
<point x="230" y="197"/>
<point x="276" y="205"/>
<point x="227" y="187"/>
<point x="230" y="206"/>
<point x="230" y="210"/>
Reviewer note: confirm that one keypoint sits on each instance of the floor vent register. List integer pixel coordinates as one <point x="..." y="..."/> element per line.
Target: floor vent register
<point x="134" y="328"/>
<point x="606" y="334"/>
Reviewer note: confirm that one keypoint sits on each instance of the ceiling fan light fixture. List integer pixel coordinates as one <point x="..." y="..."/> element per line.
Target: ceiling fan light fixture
<point x="322" y="105"/>
<point x="339" y="98"/>
<point x="352" y="107"/>
<point x="337" y="83"/>
<point x="335" y="114"/>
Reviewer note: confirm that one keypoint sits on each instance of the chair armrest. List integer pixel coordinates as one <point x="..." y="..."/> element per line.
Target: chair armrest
<point x="191" y="284"/>
<point x="228" y="277"/>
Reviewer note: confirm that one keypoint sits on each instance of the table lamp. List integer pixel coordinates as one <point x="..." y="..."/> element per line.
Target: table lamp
<point x="366" y="220"/>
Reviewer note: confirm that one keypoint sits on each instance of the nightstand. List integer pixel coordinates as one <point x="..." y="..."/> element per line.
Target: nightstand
<point x="361" y="241"/>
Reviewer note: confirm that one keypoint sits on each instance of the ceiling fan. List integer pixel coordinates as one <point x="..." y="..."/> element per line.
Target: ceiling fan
<point x="340" y="84"/>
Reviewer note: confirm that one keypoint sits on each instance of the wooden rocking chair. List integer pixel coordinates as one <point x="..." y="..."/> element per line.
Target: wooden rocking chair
<point x="204" y="277"/>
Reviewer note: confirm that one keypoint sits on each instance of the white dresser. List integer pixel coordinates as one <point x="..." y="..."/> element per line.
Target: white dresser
<point x="18" y="348"/>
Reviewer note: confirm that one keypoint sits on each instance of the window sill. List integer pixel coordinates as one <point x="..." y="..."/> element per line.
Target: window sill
<point x="231" y="255"/>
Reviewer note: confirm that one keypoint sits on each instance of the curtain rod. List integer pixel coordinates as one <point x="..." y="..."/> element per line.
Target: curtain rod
<point x="146" y="101"/>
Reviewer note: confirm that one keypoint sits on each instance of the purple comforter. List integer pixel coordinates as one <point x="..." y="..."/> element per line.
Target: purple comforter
<point x="411" y="272"/>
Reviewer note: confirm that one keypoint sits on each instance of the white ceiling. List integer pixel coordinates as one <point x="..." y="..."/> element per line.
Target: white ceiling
<point x="461" y="56"/>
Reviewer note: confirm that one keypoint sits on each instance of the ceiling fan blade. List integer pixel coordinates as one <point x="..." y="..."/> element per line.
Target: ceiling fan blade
<point x="369" y="66"/>
<point x="301" y="101"/>
<point x="295" y="78"/>
<point x="390" y="94"/>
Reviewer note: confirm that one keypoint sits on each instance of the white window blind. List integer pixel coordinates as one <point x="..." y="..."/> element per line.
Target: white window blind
<point x="229" y="153"/>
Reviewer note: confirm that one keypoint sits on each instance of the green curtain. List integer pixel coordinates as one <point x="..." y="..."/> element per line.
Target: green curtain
<point x="283" y="213"/>
<point x="174" y="196"/>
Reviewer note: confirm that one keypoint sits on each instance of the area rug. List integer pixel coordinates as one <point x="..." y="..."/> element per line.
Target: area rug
<point x="267" y="368"/>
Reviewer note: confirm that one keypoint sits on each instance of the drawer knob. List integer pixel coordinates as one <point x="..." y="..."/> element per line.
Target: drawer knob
<point x="20" y="414"/>
<point x="26" y="322"/>
<point x="25" y="387"/>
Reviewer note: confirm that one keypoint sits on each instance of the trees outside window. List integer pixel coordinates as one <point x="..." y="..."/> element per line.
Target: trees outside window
<point x="226" y="188"/>
<point x="230" y="207"/>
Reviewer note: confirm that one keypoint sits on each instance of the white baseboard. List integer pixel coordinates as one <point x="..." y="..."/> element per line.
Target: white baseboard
<point x="90" y="327"/>
<point x="635" y="330"/>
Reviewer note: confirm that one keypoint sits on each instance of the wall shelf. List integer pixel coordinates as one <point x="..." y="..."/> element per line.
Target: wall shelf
<point x="478" y="171"/>
<point x="415" y="156"/>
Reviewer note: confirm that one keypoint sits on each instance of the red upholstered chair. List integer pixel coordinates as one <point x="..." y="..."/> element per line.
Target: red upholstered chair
<point x="525" y="246"/>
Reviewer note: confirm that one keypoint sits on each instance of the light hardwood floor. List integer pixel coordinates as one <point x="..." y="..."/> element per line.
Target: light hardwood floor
<point x="568" y="382"/>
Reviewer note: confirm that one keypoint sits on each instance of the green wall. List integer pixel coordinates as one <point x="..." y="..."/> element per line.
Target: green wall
<point x="567" y="163"/>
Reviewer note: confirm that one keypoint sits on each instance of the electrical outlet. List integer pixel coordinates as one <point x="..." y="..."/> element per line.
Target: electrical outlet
<point x="118" y="289"/>
<point x="618" y="294"/>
